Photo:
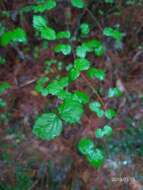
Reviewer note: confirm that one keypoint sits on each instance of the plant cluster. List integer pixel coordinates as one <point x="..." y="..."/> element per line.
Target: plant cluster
<point x="49" y="125"/>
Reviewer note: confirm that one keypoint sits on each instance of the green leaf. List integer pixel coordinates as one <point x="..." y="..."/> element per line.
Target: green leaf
<point x="39" y="22"/>
<point x="99" y="133"/>
<point x="78" y="3"/>
<point x="85" y="145"/>
<point x="113" y="33"/>
<point x="73" y="74"/>
<point x="81" y="64"/>
<point x="99" y="50"/>
<point x="4" y="86"/>
<point x="47" y="5"/>
<point x="98" y="73"/>
<point x="114" y="92"/>
<point x="70" y="111"/>
<point x="47" y="126"/>
<point x="96" y="107"/>
<point x="16" y="35"/>
<point x="63" y="34"/>
<point x="64" y="48"/>
<point x="57" y="85"/>
<point x="94" y="45"/>
<point x="110" y="113"/>
<point x="109" y="1"/>
<point x="106" y="131"/>
<point x="81" y="51"/>
<point x="2" y="103"/>
<point x="48" y="33"/>
<point x="96" y="158"/>
<point x="84" y="27"/>
<point x="81" y="97"/>
<point x="64" y="94"/>
<point x="40" y="86"/>
<point x="2" y="61"/>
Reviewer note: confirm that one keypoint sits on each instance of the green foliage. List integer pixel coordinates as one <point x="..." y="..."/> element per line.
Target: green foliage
<point x="73" y="74"/>
<point x="40" y="25"/>
<point x="110" y="113"/>
<point x="63" y="48"/>
<point x="48" y="34"/>
<point x="96" y="158"/>
<point x="114" y="92"/>
<point x="113" y="33"/>
<point x="40" y="86"/>
<point x="81" y="51"/>
<point x="85" y="145"/>
<point x="47" y="5"/>
<point x="109" y="1"/>
<point x="81" y="64"/>
<point x="4" y="86"/>
<point x="94" y="155"/>
<point x="81" y="97"/>
<point x="56" y="86"/>
<point x="70" y="111"/>
<point x="106" y="131"/>
<point x="63" y="34"/>
<point x="96" y="46"/>
<point x="84" y="27"/>
<point x="39" y="22"/>
<point x="47" y="126"/>
<point x="96" y="107"/>
<point x="2" y="61"/>
<point x="78" y="3"/>
<point x="16" y="35"/>
<point x="2" y="103"/>
<point x="96" y="73"/>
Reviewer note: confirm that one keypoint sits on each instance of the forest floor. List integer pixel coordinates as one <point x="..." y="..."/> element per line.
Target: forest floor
<point x="27" y="163"/>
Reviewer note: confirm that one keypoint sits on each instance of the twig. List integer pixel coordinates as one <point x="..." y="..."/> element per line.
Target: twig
<point x="92" y="87"/>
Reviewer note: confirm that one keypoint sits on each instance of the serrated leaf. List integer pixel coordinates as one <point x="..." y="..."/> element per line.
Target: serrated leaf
<point x="73" y="74"/>
<point x="78" y="3"/>
<point x="70" y="111"/>
<point x="64" y="48"/>
<point x="96" y="107"/>
<point x="81" y="51"/>
<point x="40" y="86"/>
<point x="47" y="126"/>
<point x="106" y="131"/>
<point x="48" y="33"/>
<point x="114" y="92"/>
<point x="2" y="61"/>
<point x="81" y="97"/>
<point x="4" y="86"/>
<point x="99" y="133"/>
<point x="47" y="5"/>
<point x="63" y="34"/>
<point x="85" y="145"/>
<point x="81" y="64"/>
<point x="16" y="35"/>
<point x="84" y="27"/>
<point x="2" y="103"/>
<point x="57" y="85"/>
<point x="39" y="22"/>
<point x="110" y="113"/>
<point x="96" y="73"/>
<point x="64" y="94"/>
<point x="113" y="33"/>
<point x="96" y="158"/>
